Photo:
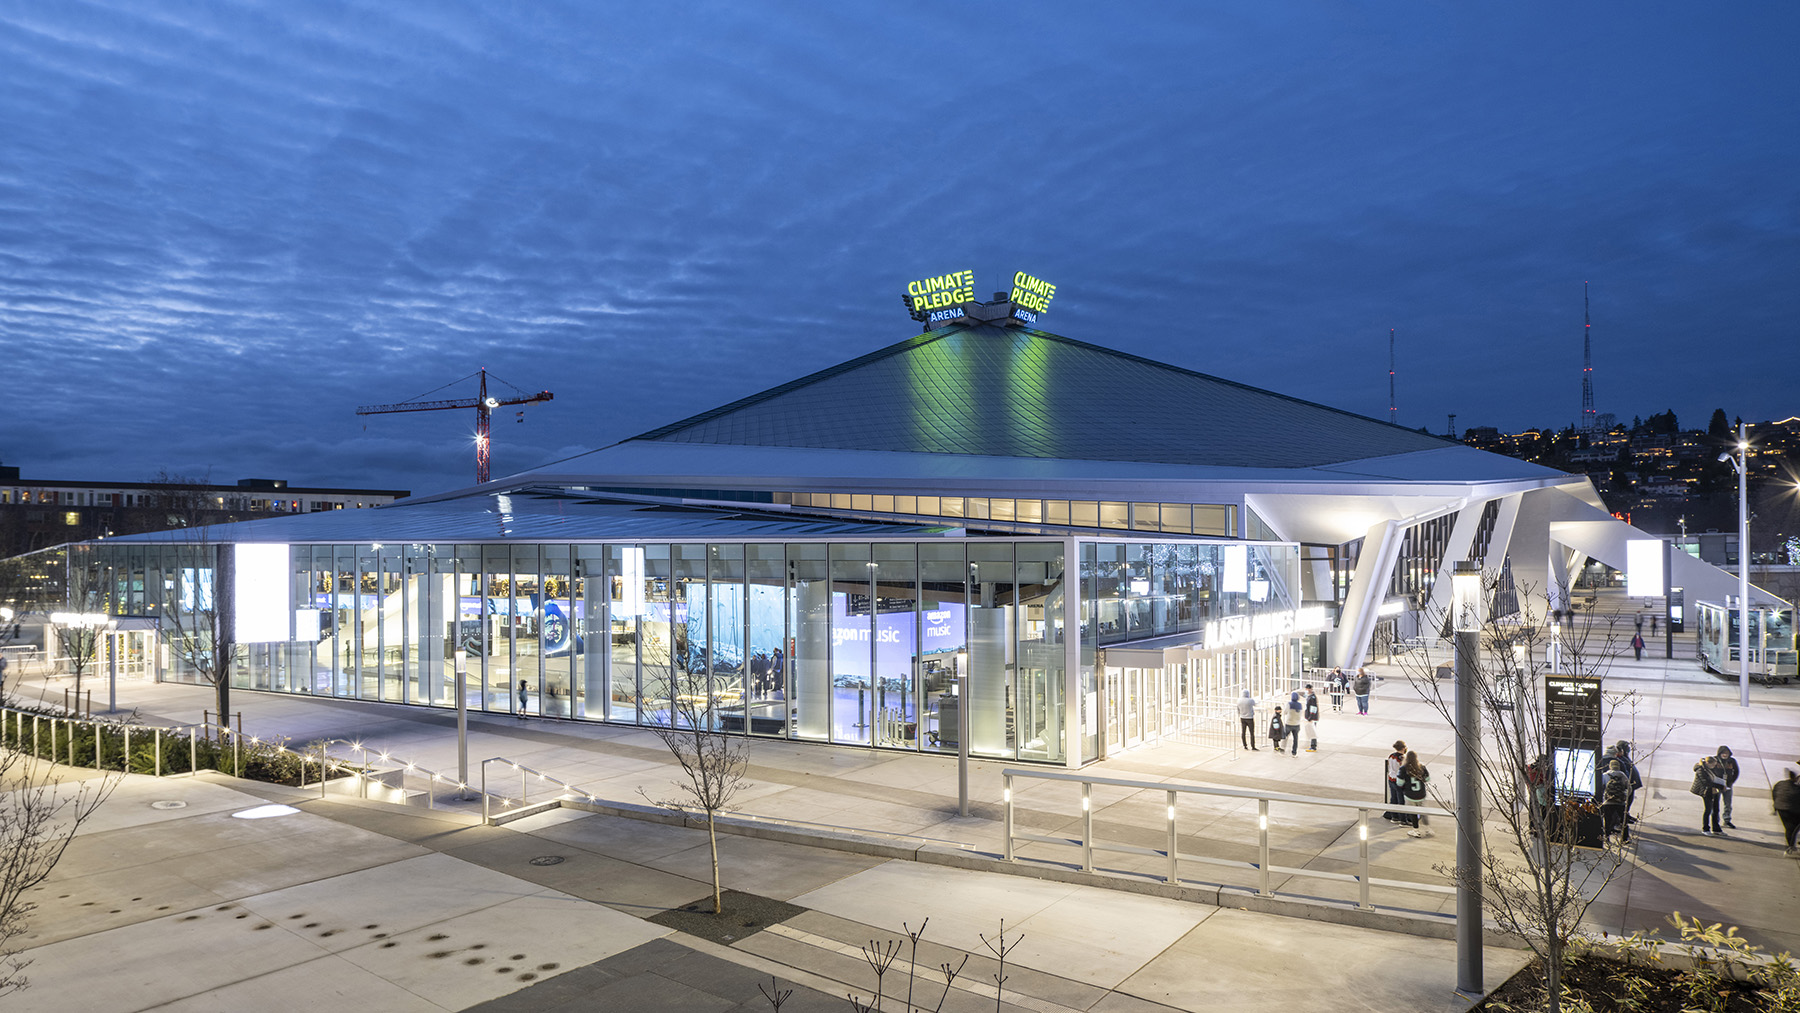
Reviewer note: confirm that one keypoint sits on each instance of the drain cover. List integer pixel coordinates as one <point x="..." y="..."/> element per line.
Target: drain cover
<point x="168" y="803"/>
<point x="547" y="860"/>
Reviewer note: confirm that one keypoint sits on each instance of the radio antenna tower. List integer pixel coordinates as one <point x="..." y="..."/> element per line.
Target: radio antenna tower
<point x="1588" y="418"/>
<point x="1393" y="413"/>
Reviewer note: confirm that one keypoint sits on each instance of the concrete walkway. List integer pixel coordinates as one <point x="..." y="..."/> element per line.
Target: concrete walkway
<point x="375" y="875"/>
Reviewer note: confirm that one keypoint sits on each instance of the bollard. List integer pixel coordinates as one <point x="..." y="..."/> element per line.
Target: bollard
<point x="125" y="764"/>
<point x="1006" y="795"/>
<point x="1174" y="843"/>
<point x="1362" y="831"/>
<point x="99" y="762"/>
<point x="1087" y="826"/>
<point x="193" y="753"/>
<point x="237" y="766"/>
<point x="159" y="752"/>
<point x="36" y="753"/>
<point x="1262" y="822"/>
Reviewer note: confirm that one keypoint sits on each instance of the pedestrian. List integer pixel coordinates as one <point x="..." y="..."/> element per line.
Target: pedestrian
<point x="1637" y="645"/>
<point x="1621" y="751"/>
<point x="1310" y="714"/>
<point x="1392" y="768"/>
<point x="1337" y="684"/>
<point x="1246" y="706"/>
<point x="1615" y="789"/>
<point x="523" y="689"/>
<point x="1276" y="728"/>
<point x="1728" y="766"/>
<point x="1653" y="621"/>
<point x="1786" y="796"/>
<point x="1361" y="689"/>
<point x="1293" y="721"/>
<point x="1709" y="784"/>
<point x="1413" y="779"/>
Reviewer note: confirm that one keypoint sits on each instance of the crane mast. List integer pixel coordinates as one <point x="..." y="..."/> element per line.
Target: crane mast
<point x="484" y="405"/>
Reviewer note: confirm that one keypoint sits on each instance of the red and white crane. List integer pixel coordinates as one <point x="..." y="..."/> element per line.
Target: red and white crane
<point x="482" y="402"/>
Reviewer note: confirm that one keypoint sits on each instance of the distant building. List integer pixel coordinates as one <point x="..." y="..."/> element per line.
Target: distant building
<point x="39" y="513"/>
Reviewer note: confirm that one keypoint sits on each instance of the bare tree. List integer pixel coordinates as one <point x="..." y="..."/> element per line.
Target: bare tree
<point x="86" y="596"/>
<point x="712" y="764"/>
<point x="1537" y="874"/>
<point x="198" y="621"/>
<point x="39" y="815"/>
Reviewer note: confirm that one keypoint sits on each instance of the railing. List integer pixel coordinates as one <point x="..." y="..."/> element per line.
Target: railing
<point x="1263" y="867"/>
<point x="525" y="783"/>
<point x="72" y="739"/>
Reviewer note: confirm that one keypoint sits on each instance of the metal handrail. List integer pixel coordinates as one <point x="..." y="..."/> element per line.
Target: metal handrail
<point x="1173" y="792"/>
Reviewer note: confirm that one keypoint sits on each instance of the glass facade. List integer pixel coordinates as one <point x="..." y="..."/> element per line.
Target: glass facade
<point x="879" y="644"/>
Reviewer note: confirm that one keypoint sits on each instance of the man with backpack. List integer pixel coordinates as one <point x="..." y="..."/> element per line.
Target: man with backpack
<point x="1615" y="792"/>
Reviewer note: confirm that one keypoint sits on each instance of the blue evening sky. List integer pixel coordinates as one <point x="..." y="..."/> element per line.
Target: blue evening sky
<point x="225" y="225"/>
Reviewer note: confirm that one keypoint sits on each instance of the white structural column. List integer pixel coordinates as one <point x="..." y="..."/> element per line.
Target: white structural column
<point x="1368" y="586"/>
<point x="1073" y="589"/>
<point x="1456" y="549"/>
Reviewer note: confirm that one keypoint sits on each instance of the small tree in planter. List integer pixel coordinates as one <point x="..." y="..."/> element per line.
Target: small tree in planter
<point x="39" y="815"/>
<point x="1536" y="882"/>
<point x="712" y="764"/>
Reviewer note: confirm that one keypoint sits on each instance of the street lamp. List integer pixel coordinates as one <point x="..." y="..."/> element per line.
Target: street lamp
<point x="1743" y="446"/>
<point x="1466" y="595"/>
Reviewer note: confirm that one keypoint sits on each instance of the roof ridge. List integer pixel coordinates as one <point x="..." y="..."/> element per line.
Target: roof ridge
<point x="1078" y="343"/>
<point x="916" y="341"/>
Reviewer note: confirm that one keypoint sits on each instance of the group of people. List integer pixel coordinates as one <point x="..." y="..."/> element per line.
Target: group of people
<point x="1297" y="719"/>
<point x="1716" y="776"/>
<point x="1407" y="786"/>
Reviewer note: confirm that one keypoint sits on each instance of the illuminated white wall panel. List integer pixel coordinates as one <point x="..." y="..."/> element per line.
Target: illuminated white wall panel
<point x="1644" y="567"/>
<point x="262" y="593"/>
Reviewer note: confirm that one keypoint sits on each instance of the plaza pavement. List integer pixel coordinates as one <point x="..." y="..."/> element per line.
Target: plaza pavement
<point x="395" y="907"/>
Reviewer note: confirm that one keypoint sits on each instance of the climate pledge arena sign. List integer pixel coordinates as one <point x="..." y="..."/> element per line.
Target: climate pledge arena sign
<point x="945" y="296"/>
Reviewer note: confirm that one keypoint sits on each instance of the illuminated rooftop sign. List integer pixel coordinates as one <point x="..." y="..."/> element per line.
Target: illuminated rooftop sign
<point x="944" y="290"/>
<point x="1030" y="296"/>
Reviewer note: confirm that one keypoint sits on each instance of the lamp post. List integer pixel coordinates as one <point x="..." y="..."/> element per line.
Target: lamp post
<point x="462" y="723"/>
<point x="1738" y="462"/>
<point x="962" y="734"/>
<point x="1465" y="587"/>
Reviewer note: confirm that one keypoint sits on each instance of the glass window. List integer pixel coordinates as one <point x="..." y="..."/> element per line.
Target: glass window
<point x="852" y="642"/>
<point x="952" y="506"/>
<point x="1029" y="511"/>
<point x="1040" y="667"/>
<point x="943" y="626"/>
<point x="862" y="502"/>
<point x="1146" y="516"/>
<point x="1056" y="511"/>
<point x="906" y="504"/>
<point x="1000" y="509"/>
<point x="1214" y="520"/>
<point x="809" y="624"/>
<point x="993" y="610"/>
<point x="1177" y="517"/>
<point x="929" y="506"/>
<point x="978" y="508"/>
<point x="1114" y="515"/>
<point x="883" y="504"/>
<point x="765" y="702"/>
<point x="840" y="501"/>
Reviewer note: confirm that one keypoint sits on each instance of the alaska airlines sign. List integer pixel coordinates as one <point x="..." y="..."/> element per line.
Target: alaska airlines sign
<point x="1234" y="630"/>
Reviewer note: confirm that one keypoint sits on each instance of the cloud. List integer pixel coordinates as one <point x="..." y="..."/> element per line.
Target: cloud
<point x="224" y="226"/>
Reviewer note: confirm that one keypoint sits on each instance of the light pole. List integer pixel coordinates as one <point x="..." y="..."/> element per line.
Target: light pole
<point x="1466" y="593"/>
<point x="462" y="723"/>
<point x="1743" y="446"/>
<point x="962" y="734"/>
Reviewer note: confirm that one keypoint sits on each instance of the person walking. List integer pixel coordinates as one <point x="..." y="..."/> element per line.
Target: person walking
<point x="1728" y="766"/>
<point x="1276" y="728"/>
<point x="1395" y="760"/>
<point x="1246" y="706"/>
<point x="1310" y="714"/>
<point x="523" y="689"/>
<point x="1621" y="751"/>
<point x="1786" y="796"/>
<point x="1413" y="780"/>
<point x="1709" y="784"/>
<point x="1615" y="789"/>
<point x="1337" y="684"/>
<point x="1637" y="645"/>
<point x="1361" y="689"/>
<point x="1292" y="714"/>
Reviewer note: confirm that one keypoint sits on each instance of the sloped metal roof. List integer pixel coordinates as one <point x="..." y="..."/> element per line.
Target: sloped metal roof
<point x="539" y="517"/>
<point x="995" y="392"/>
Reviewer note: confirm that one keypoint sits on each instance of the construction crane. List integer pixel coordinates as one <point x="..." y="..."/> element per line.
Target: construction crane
<point x="483" y="403"/>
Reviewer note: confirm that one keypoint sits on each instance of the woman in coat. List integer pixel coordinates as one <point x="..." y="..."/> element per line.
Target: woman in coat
<point x="1709" y="784"/>
<point x="1361" y="688"/>
<point x="1786" y="796"/>
<point x="1413" y="780"/>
